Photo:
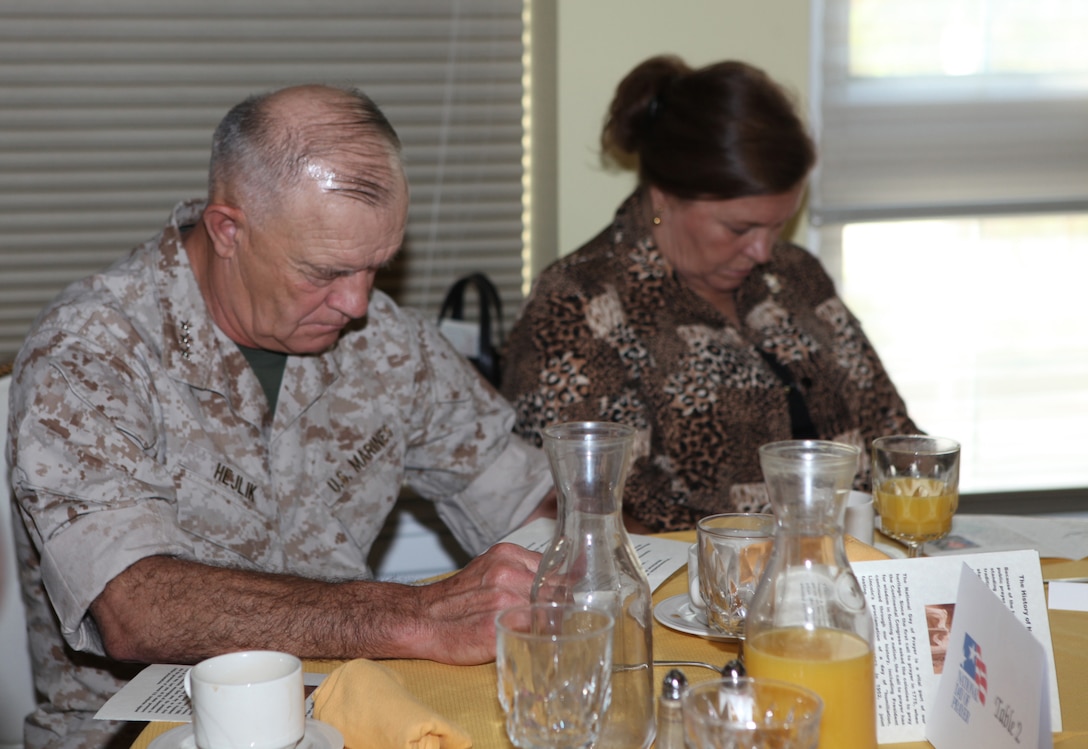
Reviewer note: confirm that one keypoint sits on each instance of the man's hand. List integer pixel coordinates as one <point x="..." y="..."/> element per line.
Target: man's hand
<point x="457" y="615"/>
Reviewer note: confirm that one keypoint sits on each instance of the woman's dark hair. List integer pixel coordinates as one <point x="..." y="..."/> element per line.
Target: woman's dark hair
<point x="723" y="131"/>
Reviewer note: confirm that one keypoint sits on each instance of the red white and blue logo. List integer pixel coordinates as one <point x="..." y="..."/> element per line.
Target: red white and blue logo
<point x="974" y="666"/>
<point x="970" y="680"/>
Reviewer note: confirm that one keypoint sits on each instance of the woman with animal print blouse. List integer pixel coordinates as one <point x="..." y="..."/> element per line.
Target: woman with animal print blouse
<point x="688" y="317"/>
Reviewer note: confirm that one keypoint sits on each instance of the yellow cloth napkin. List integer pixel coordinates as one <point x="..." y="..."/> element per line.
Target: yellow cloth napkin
<point x="369" y="705"/>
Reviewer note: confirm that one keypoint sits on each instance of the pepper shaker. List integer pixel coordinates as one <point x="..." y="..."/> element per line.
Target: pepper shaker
<point x="670" y="719"/>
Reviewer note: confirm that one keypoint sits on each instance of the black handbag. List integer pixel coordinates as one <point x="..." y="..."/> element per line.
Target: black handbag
<point x="488" y="360"/>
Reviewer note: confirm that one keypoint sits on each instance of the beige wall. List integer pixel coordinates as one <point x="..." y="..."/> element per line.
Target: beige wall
<point x="598" y="41"/>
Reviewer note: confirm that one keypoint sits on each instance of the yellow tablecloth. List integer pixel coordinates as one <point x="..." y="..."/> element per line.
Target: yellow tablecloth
<point x="467" y="695"/>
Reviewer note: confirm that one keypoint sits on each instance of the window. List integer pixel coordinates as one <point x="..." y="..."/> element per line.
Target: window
<point x="951" y="202"/>
<point x="108" y="110"/>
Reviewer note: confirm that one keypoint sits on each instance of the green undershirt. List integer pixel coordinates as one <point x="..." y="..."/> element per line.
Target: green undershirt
<point x="268" y="366"/>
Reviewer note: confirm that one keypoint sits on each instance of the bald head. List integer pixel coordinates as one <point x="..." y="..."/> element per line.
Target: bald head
<point x="270" y="144"/>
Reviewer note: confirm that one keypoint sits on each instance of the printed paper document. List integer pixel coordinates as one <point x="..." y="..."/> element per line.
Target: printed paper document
<point x="913" y="603"/>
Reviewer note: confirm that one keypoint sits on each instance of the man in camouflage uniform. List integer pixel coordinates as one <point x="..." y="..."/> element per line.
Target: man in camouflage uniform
<point x="177" y="504"/>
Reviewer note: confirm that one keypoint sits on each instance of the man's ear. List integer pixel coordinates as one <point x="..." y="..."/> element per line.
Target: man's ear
<point x="226" y="226"/>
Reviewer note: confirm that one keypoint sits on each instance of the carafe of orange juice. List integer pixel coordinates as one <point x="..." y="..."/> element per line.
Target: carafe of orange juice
<point x="808" y="622"/>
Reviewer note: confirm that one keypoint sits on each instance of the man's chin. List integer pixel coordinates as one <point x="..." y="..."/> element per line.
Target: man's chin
<point x="315" y="342"/>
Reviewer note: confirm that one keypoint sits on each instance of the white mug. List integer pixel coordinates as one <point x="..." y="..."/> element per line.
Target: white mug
<point x="695" y="598"/>
<point x="252" y="699"/>
<point x="859" y="516"/>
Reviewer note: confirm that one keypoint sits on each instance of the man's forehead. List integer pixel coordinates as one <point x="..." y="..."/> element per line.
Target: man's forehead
<point x="334" y="223"/>
<point x="375" y="176"/>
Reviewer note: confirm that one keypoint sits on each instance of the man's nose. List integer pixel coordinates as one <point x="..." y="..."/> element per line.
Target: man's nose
<point x="351" y="294"/>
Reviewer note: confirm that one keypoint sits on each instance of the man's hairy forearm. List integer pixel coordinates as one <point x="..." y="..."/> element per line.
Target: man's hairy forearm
<point x="166" y="610"/>
<point x="188" y="611"/>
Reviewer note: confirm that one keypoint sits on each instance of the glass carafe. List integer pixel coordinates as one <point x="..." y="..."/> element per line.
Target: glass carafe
<point x="809" y="623"/>
<point x="591" y="562"/>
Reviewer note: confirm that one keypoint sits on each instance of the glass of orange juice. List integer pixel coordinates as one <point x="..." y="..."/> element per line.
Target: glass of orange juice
<point x="916" y="481"/>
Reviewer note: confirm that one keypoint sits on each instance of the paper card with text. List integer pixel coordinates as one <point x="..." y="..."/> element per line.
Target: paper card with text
<point x="660" y="557"/>
<point x="158" y="694"/>
<point x="993" y="690"/>
<point x="913" y="603"/>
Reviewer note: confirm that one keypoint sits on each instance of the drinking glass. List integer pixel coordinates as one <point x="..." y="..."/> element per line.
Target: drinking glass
<point x="916" y="480"/>
<point x="733" y="551"/>
<point x="554" y="665"/>
<point x="749" y="713"/>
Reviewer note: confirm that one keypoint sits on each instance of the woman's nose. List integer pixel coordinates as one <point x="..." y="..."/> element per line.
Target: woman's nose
<point x="759" y="249"/>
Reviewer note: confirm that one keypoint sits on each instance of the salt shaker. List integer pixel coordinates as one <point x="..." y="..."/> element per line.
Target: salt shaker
<point x="670" y="719"/>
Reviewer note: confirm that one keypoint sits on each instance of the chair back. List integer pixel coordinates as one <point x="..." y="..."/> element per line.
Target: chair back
<point x="483" y="346"/>
<point x="16" y="684"/>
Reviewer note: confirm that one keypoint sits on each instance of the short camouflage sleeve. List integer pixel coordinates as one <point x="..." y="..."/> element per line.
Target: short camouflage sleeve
<point x="90" y="491"/>
<point x="462" y="454"/>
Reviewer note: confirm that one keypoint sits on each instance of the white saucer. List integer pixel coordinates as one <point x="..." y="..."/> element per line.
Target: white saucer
<point x="677" y="613"/>
<point x="318" y="735"/>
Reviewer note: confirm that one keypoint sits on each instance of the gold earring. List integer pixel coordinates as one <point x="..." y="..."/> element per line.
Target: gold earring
<point x="657" y="221"/>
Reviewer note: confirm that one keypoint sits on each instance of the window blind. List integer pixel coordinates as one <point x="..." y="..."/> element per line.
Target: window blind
<point x="991" y="136"/>
<point x="108" y="110"/>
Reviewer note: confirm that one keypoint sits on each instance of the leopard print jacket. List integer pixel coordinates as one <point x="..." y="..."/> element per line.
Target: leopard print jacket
<point x="610" y="334"/>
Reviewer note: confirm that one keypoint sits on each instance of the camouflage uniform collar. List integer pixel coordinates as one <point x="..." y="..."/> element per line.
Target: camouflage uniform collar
<point x="195" y="350"/>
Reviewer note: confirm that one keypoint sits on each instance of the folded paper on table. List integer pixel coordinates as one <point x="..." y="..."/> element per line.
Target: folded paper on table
<point x="1058" y="537"/>
<point x="914" y="603"/>
<point x="1068" y="596"/>
<point x="993" y="690"/>
<point x="370" y="706"/>
<point x="660" y="557"/>
<point x="157" y="694"/>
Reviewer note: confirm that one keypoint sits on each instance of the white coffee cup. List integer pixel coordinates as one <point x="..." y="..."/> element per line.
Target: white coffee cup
<point x="252" y="699"/>
<point x="859" y="516"/>
<point x="694" y="596"/>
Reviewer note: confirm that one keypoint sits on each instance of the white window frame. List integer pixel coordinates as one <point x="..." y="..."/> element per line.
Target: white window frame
<point x="942" y="148"/>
